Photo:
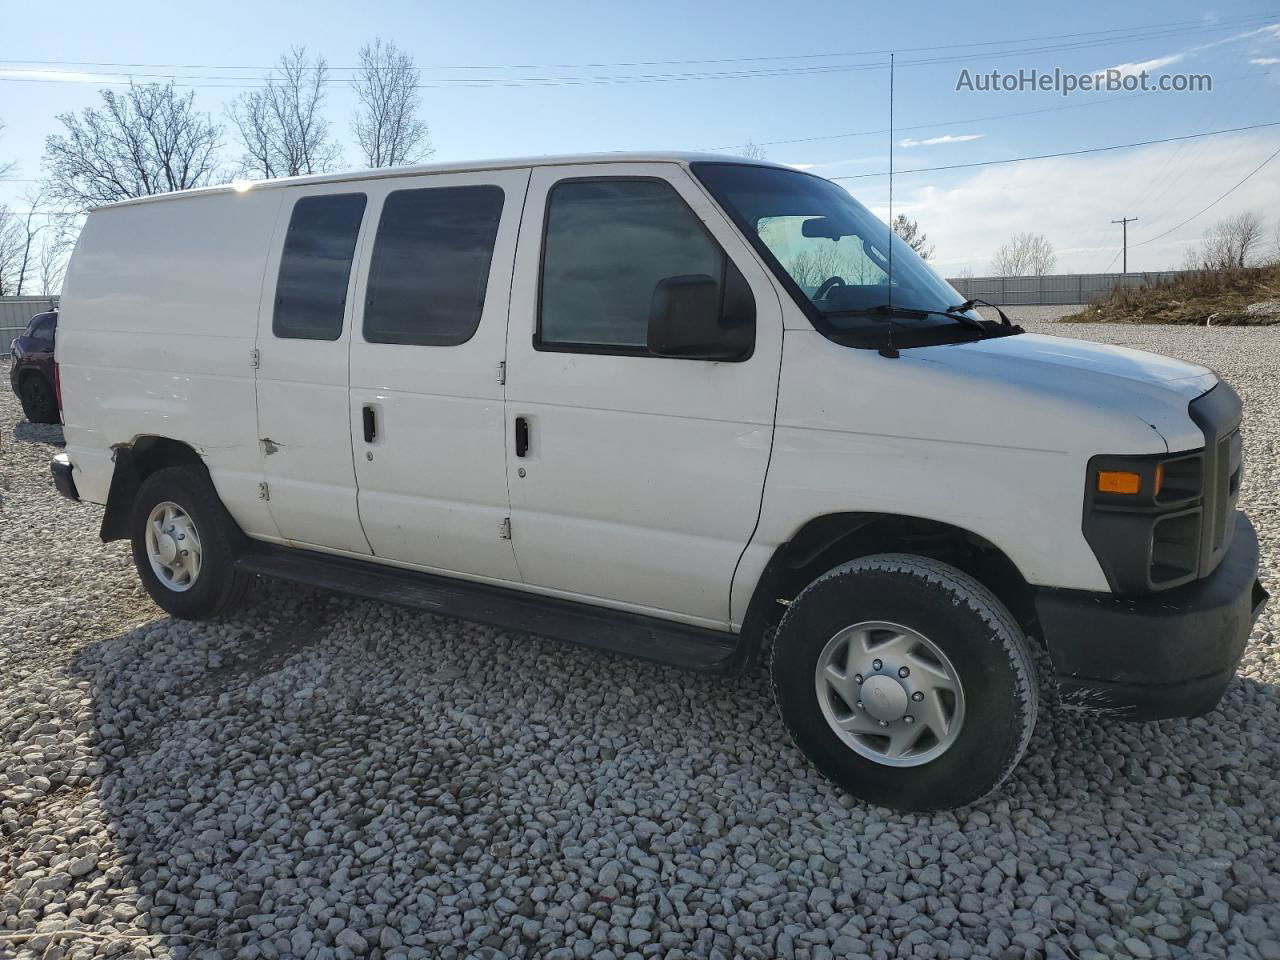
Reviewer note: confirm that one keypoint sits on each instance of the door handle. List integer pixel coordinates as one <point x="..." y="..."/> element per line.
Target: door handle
<point x="522" y="436"/>
<point x="370" y="425"/>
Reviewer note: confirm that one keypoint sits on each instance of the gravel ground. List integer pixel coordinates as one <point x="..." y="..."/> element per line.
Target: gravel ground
<point x="321" y="777"/>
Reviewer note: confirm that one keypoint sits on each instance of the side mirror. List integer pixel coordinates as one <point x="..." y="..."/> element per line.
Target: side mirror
<point x="692" y="318"/>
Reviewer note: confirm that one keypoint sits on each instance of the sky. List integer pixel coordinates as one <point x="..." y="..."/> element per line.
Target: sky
<point x="809" y="82"/>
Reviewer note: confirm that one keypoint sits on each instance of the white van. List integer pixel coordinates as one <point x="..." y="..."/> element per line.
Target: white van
<point x="661" y="404"/>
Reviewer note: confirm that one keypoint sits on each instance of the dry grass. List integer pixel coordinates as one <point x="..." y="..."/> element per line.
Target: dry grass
<point x="1216" y="297"/>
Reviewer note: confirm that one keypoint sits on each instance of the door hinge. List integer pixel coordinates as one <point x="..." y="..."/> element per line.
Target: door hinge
<point x="502" y="372"/>
<point x="504" y="528"/>
<point x="254" y="359"/>
<point x="264" y="492"/>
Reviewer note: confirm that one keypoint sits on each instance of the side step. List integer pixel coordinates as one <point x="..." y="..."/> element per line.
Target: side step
<point x="629" y="634"/>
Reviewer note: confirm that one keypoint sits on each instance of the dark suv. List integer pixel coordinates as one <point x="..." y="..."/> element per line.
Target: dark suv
<point x="33" y="372"/>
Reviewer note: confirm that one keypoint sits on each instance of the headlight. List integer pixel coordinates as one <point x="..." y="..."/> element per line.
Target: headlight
<point x="1142" y="517"/>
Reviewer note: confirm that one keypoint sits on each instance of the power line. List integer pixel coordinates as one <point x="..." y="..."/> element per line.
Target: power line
<point x="615" y="79"/>
<point x="1133" y="32"/>
<point x="963" y="120"/>
<point x="1066" y="153"/>
<point x="1210" y="206"/>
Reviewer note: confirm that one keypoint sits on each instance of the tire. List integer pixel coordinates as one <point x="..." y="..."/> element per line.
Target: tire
<point x="39" y="404"/>
<point x="889" y="602"/>
<point x="184" y="591"/>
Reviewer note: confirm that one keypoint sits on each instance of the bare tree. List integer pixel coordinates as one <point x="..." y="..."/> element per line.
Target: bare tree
<point x="281" y="126"/>
<point x="909" y="231"/>
<point x="1231" y="243"/>
<point x="387" y="125"/>
<point x="6" y="167"/>
<point x="148" y="139"/>
<point x="753" y="151"/>
<point x="1024" y="255"/>
<point x="51" y="265"/>
<point x="11" y="247"/>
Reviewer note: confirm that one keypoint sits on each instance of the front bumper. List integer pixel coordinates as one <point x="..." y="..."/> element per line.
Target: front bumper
<point x="1168" y="654"/>
<point x="63" y="477"/>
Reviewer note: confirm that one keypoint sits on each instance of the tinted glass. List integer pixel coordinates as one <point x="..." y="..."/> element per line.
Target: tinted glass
<point x="42" y="326"/>
<point x="608" y="244"/>
<point x="431" y="265"/>
<point x="311" y="294"/>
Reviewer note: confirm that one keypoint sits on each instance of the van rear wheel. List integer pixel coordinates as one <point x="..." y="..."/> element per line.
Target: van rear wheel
<point x="906" y="682"/>
<point x="183" y="545"/>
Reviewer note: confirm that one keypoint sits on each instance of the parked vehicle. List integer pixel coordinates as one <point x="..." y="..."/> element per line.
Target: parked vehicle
<point x="660" y="404"/>
<point x="32" y="372"/>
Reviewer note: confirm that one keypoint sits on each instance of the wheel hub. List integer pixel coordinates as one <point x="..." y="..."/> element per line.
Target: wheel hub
<point x="889" y="693"/>
<point x="173" y="546"/>
<point x="167" y="547"/>
<point x="884" y="698"/>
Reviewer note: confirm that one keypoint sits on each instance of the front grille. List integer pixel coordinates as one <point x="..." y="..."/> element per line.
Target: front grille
<point x="1217" y="413"/>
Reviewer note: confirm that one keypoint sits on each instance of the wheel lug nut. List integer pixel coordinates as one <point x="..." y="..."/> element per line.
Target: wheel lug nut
<point x="917" y="696"/>
<point x="857" y="678"/>
<point x="876" y="665"/>
<point x="859" y="704"/>
<point x="908" y="719"/>
<point x="903" y="672"/>
<point x="884" y="723"/>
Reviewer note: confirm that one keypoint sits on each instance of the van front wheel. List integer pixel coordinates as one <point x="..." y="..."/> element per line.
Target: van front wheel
<point x="183" y="541"/>
<point x="906" y="682"/>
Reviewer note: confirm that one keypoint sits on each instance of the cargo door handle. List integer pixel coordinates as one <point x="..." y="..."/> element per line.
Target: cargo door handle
<point x="522" y="436"/>
<point x="370" y="425"/>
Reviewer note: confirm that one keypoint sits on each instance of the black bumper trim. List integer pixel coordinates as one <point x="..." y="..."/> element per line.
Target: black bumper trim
<point x="1169" y="654"/>
<point x="63" y="477"/>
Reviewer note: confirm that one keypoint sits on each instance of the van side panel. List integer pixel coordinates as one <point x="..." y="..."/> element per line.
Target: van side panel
<point x="158" y="322"/>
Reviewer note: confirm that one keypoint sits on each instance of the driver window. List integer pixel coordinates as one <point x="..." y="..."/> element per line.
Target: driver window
<point x="811" y="261"/>
<point x="609" y="242"/>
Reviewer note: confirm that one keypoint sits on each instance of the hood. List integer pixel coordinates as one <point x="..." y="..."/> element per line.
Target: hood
<point x="1062" y="356"/>
<point x="1153" y="388"/>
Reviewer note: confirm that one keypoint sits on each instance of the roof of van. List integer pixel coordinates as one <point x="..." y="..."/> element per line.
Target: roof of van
<point x="241" y="186"/>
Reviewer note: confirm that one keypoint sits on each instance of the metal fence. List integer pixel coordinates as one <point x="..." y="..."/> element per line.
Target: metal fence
<point x="1059" y="288"/>
<point x="16" y="313"/>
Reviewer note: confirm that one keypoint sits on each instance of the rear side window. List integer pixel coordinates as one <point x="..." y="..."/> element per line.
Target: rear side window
<point x="42" y="326"/>
<point x="608" y="244"/>
<point x="311" y="293"/>
<point x="430" y="265"/>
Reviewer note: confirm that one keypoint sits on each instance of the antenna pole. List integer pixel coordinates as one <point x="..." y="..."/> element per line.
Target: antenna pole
<point x="1124" y="227"/>
<point x="891" y="180"/>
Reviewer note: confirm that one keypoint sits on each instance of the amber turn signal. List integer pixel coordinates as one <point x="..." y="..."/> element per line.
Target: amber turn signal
<point x="1119" y="481"/>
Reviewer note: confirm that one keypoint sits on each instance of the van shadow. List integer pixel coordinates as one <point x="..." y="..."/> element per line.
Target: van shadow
<point x="322" y="773"/>
<point x="40" y="433"/>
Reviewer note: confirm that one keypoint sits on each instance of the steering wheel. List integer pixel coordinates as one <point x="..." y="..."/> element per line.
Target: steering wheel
<point x="827" y="286"/>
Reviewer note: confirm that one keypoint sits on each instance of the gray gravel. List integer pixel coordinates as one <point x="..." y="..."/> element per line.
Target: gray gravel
<point x="321" y="777"/>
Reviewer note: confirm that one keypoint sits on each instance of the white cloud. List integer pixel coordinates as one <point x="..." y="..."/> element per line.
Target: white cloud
<point x="1072" y="200"/>
<point x="945" y="138"/>
<point x="1265" y="61"/>
<point x="58" y="76"/>
<point x="1132" y="69"/>
<point x="1270" y="30"/>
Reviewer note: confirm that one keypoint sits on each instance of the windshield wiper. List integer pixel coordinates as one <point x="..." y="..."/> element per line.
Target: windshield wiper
<point x="974" y="301"/>
<point x="916" y="312"/>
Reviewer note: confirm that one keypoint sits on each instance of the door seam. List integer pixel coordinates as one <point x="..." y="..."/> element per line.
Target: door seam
<point x="506" y="379"/>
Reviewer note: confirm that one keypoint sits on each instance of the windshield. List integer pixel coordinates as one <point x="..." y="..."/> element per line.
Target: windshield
<point x="829" y="245"/>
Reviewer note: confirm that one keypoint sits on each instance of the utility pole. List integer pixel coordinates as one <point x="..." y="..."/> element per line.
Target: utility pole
<point x="1124" y="226"/>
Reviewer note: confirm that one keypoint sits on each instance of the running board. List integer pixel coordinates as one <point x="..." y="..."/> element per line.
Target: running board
<point x="629" y="634"/>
